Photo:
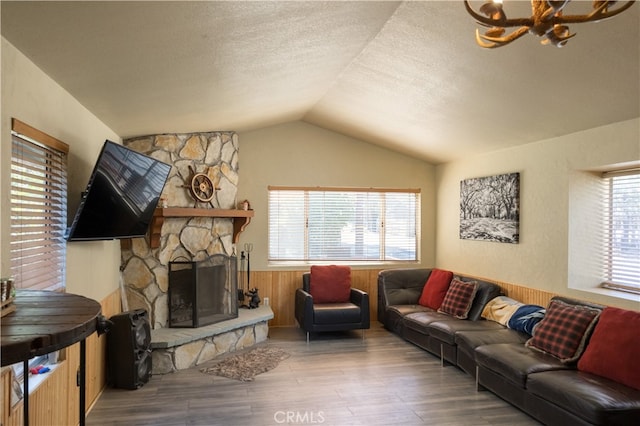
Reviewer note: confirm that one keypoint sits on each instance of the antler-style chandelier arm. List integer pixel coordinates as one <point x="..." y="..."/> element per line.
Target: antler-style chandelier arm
<point x="599" y="13"/>
<point x="494" y="42"/>
<point x="498" y="18"/>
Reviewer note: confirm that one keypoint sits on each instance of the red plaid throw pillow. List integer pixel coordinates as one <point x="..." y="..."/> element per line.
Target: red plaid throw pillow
<point x="459" y="297"/>
<point x="564" y="330"/>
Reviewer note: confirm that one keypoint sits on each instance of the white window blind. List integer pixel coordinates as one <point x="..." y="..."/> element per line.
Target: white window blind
<point x="338" y="224"/>
<point x="38" y="208"/>
<point x="622" y="230"/>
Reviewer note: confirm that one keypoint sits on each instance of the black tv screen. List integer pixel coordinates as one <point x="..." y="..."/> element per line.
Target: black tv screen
<point x="122" y="194"/>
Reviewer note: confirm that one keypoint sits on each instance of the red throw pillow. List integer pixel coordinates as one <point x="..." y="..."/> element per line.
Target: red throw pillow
<point x="459" y="297"/>
<point x="614" y="349"/>
<point x="435" y="289"/>
<point x="330" y="284"/>
<point x="564" y="330"/>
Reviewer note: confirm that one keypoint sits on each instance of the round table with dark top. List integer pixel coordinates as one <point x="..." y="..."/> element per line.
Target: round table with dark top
<point x="44" y="322"/>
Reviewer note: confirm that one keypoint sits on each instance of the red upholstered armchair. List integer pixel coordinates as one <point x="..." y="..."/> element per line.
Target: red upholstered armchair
<point x="327" y="302"/>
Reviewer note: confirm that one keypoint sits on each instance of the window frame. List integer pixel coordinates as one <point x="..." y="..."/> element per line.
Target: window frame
<point x="619" y="274"/>
<point x="36" y="156"/>
<point x="382" y="258"/>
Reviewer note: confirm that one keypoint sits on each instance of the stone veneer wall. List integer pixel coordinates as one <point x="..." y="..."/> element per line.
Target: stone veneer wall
<point x="145" y="270"/>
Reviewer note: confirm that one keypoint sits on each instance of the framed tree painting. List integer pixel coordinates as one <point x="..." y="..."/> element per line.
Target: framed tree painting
<point x="490" y="208"/>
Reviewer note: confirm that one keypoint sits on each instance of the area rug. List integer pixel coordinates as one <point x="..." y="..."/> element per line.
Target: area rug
<point x="245" y="366"/>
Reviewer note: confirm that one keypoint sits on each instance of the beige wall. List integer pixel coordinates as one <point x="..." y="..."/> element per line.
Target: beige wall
<point x="31" y="96"/>
<point x="301" y="154"/>
<point x="553" y="184"/>
<point x="555" y="174"/>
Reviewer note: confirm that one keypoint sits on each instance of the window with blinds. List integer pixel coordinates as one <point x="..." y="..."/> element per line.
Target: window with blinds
<point x="622" y="230"/>
<point x="343" y="224"/>
<point x="38" y="208"/>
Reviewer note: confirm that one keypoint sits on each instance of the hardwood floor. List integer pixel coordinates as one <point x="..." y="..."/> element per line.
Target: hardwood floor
<point x="337" y="379"/>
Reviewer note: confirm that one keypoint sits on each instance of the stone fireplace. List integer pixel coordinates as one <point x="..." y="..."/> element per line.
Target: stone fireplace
<point x="145" y="269"/>
<point x="146" y="261"/>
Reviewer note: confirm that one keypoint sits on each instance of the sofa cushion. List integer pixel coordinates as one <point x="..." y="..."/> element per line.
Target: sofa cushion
<point x="435" y="288"/>
<point x="515" y="362"/>
<point x="614" y="349"/>
<point x="564" y="330"/>
<point x="330" y="284"/>
<point x="394" y="316"/>
<point x="418" y="321"/>
<point x="469" y="340"/>
<point x="457" y="302"/>
<point x="446" y="331"/>
<point x="404" y="310"/>
<point x="595" y="399"/>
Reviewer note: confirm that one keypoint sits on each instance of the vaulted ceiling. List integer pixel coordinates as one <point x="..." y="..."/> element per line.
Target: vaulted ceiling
<point x="403" y="75"/>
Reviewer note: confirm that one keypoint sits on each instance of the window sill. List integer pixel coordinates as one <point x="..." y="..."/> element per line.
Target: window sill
<point x="35" y="380"/>
<point x="616" y="294"/>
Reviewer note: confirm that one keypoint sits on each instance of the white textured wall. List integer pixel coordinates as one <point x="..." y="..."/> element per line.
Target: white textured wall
<point x="34" y="98"/>
<point x="300" y="154"/>
<point x="553" y="184"/>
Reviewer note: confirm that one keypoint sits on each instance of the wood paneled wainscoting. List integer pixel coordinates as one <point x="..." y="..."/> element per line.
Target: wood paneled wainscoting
<point x="55" y="401"/>
<point x="280" y="287"/>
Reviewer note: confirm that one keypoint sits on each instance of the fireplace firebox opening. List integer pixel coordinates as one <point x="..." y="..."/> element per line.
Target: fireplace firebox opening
<point x="203" y="292"/>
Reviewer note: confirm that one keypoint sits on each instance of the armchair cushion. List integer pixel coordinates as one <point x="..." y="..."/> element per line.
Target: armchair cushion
<point x="435" y="289"/>
<point x="336" y="313"/>
<point x="330" y="284"/>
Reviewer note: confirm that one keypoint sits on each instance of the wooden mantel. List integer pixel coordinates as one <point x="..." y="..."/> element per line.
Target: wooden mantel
<point x="241" y="219"/>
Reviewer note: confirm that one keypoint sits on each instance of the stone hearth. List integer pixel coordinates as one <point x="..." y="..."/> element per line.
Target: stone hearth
<point x="179" y="348"/>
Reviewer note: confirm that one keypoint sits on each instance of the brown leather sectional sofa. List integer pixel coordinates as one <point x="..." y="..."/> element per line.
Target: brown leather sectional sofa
<point x="549" y="390"/>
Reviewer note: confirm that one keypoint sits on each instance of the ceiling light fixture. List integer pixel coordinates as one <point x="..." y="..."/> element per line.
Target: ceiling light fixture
<point x="547" y="20"/>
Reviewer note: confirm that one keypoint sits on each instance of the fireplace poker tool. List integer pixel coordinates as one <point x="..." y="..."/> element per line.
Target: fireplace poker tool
<point x="241" y="289"/>
<point x="248" y="248"/>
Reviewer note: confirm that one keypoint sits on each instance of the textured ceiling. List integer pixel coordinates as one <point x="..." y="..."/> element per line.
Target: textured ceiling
<point x="404" y="75"/>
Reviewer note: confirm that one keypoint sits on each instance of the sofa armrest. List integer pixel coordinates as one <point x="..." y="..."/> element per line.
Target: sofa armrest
<point x="361" y="298"/>
<point x="304" y="309"/>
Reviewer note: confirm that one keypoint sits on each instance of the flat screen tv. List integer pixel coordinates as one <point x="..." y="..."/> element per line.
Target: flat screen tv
<point x="121" y="196"/>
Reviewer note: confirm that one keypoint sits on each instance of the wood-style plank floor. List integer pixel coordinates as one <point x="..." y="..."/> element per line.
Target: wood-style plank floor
<point x="336" y="379"/>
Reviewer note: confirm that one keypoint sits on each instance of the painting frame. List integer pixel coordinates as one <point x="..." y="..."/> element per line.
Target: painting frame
<point x="490" y="208"/>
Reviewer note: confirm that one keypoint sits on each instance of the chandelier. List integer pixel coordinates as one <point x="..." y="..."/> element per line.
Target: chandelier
<point x="547" y="20"/>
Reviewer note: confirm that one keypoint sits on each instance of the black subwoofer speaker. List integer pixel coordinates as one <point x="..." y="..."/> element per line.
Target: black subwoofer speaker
<point x="129" y="352"/>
